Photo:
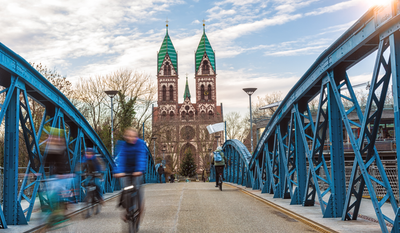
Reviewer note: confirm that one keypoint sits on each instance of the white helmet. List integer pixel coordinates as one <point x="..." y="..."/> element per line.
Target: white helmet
<point x="219" y="148"/>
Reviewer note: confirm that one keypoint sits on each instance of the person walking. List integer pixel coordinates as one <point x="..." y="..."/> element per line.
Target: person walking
<point x="160" y="171"/>
<point x="219" y="162"/>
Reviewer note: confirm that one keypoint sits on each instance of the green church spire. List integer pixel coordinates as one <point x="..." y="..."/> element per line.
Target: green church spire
<point x="204" y="47"/>
<point x="167" y="48"/>
<point x="187" y="92"/>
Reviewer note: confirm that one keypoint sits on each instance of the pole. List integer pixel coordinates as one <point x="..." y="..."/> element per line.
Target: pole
<point x="251" y="126"/>
<point x="112" y="128"/>
<point x="143" y="131"/>
<point x="225" y="132"/>
<point x="154" y="149"/>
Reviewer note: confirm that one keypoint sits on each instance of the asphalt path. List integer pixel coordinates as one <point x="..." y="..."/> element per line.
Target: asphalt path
<point x="193" y="207"/>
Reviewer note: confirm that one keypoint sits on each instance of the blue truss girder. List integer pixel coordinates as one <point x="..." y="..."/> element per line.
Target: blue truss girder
<point x="22" y="84"/>
<point x="376" y="30"/>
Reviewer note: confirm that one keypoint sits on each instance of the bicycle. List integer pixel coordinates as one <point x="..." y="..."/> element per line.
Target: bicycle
<point x="130" y="201"/>
<point x="92" y="199"/>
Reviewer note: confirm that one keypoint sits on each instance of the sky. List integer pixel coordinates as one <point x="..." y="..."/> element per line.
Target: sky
<point x="267" y="44"/>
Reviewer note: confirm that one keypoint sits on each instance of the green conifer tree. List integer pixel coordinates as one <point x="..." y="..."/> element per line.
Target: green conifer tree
<point x="188" y="166"/>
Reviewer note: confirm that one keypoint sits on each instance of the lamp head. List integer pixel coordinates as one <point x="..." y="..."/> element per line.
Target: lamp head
<point x="111" y="93"/>
<point x="249" y="91"/>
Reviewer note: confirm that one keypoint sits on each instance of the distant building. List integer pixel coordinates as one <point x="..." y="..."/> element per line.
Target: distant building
<point x="181" y="127"/>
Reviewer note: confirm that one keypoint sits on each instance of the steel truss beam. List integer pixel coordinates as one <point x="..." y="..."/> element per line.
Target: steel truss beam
<point x="22" y="85"/>
<point x="293" y="142"/>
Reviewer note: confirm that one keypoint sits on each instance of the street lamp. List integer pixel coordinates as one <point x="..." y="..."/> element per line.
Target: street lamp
<point x="154" y="147"/>
<point x="111" y="94"/>
<point x="250" y="91"/>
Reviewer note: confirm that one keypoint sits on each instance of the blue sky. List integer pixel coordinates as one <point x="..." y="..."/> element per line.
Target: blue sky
<point x="267" y="44"/>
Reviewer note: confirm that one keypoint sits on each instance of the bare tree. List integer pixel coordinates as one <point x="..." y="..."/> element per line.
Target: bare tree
<point x="237" y="126"/>
<point x="266" y="100"/>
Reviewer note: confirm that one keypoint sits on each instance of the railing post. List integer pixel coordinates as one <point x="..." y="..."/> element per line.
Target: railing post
<point x="338" y="183"/>
<point x="12" y="209"/>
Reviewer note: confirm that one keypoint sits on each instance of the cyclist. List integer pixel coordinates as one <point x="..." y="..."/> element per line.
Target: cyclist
<point x="59" y="185"/>
<point x="219" y="165"/>
<point x="92" y="165"/>
<point x="131" y="161"/>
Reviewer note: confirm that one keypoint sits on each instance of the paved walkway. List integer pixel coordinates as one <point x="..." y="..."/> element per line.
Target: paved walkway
<point x="195" y="207"/>
<point x="200" y="207"/>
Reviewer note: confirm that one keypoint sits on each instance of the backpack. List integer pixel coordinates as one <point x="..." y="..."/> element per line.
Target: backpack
<point x="217" y="156"/>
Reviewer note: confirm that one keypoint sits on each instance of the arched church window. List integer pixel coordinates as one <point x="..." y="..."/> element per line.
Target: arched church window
<point x="171" y="114"/>
<point x="167" y="69"/>
<point x="209" y="92"/>
<point x="191" y="114"/>
<point x="183" y="114"/>
<point x="205" y="68"/>
<point x="210" y="114"/>
<point x="164" y="93"/>
<point x="171" y="93"/>
<point x="186" y="108"/>
<point x="202" y="92"/>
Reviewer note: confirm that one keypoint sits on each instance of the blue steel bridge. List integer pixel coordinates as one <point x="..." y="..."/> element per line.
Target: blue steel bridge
<point x="288" y="161"/>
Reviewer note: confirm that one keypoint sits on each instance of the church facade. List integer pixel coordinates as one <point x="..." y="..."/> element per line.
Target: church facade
<point x="180" y="127"/>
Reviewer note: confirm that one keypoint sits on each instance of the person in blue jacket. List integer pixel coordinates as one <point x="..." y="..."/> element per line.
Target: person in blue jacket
<point x="131" y="162"/>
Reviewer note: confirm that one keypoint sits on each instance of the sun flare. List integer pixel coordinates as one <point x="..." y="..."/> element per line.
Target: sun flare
<point x="378" y="2"/>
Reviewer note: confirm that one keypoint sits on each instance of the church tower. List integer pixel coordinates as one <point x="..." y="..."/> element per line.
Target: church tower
<point x="205" y="75"/>
<point x="167" y="77"/>
<point x="180" y="128"/>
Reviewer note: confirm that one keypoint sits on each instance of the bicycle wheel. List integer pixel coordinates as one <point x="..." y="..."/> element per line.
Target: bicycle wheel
<point x="133" y="219"/>
<point x="220" y="182"/>
<point x="89" y="205"/>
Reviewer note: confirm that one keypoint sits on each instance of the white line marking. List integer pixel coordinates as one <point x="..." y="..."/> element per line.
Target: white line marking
<point x="177" y="212"/>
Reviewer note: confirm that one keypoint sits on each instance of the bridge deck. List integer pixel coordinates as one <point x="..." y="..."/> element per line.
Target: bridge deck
<point x="195" y="207"/>
<point x="200" y="207"/>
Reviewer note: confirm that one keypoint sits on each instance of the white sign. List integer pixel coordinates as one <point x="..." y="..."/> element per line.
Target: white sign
<point x="216" y="128"/>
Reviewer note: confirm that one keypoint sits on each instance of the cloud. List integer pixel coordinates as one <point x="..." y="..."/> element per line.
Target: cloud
<point x="297" y="52"/>
<point x="57" y="32"/>
<point x="196" y="21"/>
<point x="333" y="8"/>
<point x="231" y="82"/>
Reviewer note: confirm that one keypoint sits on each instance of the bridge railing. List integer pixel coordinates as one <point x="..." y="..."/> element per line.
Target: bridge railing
<point x="285" y="165"/>
<point x="21" y="85"/>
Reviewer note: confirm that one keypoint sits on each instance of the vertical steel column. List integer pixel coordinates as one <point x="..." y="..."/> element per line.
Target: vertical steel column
<point x="301" y="155"/>
<point x="12" y="209"/>
<point x="338" y="177"/>
<point x="395" y="62"/>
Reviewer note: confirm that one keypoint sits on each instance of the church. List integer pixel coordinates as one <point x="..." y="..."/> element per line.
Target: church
<point x="180" y="127"/>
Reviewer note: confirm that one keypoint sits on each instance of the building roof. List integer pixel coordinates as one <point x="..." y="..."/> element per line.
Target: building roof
<point x="204" y="47"/>
<point x="167" y="48"/>
<point x="187" y="92"/>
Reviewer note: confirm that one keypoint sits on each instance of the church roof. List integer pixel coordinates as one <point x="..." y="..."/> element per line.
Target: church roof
<point x="167" y="48"/>
<point x="204" y="47"/>
<point x="187" y="92"/>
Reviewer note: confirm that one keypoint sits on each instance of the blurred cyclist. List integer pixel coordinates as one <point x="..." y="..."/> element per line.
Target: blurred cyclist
<point x="131" y="160"/>
<point x="58" y="187"/>
<point x="92" y="166"/>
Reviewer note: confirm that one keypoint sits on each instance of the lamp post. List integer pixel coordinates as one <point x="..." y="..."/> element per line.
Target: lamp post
<point x="154" y="145"/>
<point x="217" y="137"/>
<point x="163" y="156"/>
<point x="209" y="159"/>
<point x="111" y="94"/>
<point x="250" y="91"/>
